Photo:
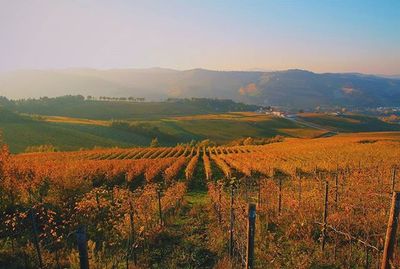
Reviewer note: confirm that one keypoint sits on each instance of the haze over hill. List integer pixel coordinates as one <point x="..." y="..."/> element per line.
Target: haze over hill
<point x="292" y="88"/>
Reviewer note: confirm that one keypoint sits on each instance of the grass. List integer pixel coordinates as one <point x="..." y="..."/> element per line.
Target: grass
<point x="197" y="197"/>
<point x="223" y="128"/>
<point x="58" y="119"/>
<point x="185" y="242"/>
<point x="68" y="133"/>
<point x="237" y="116"/>
<point x="349" y="122"/>
<point x="75" y="107"/>
<point x="65" y="136"/>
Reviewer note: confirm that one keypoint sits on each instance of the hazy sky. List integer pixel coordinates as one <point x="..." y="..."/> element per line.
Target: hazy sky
<point x="320" y="35"/>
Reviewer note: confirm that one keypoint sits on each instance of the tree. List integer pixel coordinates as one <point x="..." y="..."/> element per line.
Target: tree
<point x="154" y="143"/>
<point x="206" y="143"/>
<point x="248" y="141"/>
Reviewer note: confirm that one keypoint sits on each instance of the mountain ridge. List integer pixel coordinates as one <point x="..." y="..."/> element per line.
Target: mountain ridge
<point x="290" y="88"/>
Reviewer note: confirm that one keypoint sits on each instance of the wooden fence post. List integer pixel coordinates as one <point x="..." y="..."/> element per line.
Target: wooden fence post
<point x="280" y="196"/>
<point x="246" y="181"/>
<point x="390" y="239"/>
<point x="159" y="207"/>
<point x="324" y="216"/>
<point x="82" y="247"/>
<point x="132" y="230"/>
<point x="299" y="190"/>
<point x="219" y="205"/>
<point x="259" y="202"/>
<point x="251" y="227"/>
<point x="393" y="179"/>
<point x="336" y="189"/>
<point x="36" y="237"/>
<point x="231" y="225"/>
<point x="366" y="257"/>
<point x="378" y="260"/>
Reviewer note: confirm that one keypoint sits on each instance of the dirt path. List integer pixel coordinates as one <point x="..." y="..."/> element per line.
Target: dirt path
<point x="184" y="243"/>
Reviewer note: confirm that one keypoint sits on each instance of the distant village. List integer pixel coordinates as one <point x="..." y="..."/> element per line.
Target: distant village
<point x="285" y="113"/>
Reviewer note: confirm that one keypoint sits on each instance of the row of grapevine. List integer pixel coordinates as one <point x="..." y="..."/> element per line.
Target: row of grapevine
<point x="59" y="195"/>
<point x="287" y="182"/>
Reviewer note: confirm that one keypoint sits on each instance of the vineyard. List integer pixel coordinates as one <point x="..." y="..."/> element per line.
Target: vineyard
<point x="318" y="203"/>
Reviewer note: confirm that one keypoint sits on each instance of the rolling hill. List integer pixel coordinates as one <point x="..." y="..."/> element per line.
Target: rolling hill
<point x="348" y="122"/>
<point x="291" y="88"/>
<point x="21" y="131"/>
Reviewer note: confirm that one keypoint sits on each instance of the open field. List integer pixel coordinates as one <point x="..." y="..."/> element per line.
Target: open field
<point x="59" y="119"/>
<point x="348" y="122"/>
<point x="66" y="133"/>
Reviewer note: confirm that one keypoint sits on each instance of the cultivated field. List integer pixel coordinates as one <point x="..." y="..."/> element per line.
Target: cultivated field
<point x="319" y="202"/>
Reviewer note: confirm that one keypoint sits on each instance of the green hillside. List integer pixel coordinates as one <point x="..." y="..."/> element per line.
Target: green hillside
<point x="223" y="129"/>
<point x="78" y="107"/>
<point x="170" y="122"/>
<point x="349" y="122"/>
<point x="72" y="134"/>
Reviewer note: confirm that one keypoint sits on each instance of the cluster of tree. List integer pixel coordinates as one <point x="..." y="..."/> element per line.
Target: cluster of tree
<point x="41" y="148"/>
<point x="121" y="99"/>
<point x="201" y="144"/>
<point x="246" y="141"/>
<point x="219" y="105"/>
<point x="4" y="102"/>
<point x="48" y="100"/>
<point x="154" y="143"/>
<point x="201" y="105"/>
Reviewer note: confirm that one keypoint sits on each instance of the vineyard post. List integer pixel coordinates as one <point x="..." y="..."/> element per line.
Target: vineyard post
<point x="335" y="249"/>
<point x="97" y="200"/>
<point x="336" y="189"/>
<point x="344" y="179"/>
<point x="390" y="239"/>
<point x="299" y="178"/>
<point x="57" y="260"/>
<point x="36" y="237"/>
<point x="82" y="247"/>
<point x="393" y="179"/>
<point x="132" y="230"/>
<point x="259" y="193"/>
<point x="219" y="205"/>
<point x="246" y="181"/>
<point x="280" y="196"/>
<point x="251" y="226"/>
<point x="325" y="216"/>
<point x="159" y="207"/>
<point x="231" y="225"/>
<point x="378" y="261"/>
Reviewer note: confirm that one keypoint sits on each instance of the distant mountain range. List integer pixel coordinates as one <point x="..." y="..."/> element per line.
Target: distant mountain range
<point x="291" y="88"/>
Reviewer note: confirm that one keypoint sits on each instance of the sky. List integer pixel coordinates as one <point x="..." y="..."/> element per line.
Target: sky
<point x="317" y="35"/>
